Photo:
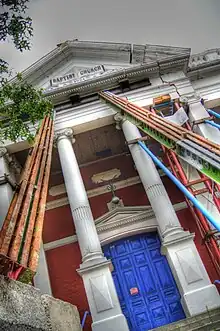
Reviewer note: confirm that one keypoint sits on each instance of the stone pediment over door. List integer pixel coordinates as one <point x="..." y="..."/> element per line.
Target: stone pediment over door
<point x="125" y="221"/>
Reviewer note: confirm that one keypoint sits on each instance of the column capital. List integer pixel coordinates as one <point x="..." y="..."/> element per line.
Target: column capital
<point x="3" y="151"/>
<point x="11" y="160"/>
<point x="190" y="98"/>
<point x="66" y="133"/>
<point x="119" y="120"/>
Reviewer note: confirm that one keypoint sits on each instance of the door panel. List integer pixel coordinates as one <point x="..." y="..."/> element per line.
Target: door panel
<point x="145" y="285"/>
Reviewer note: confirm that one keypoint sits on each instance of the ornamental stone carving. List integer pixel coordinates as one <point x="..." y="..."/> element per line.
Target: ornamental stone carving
<point x="11" y="160"/>
<point x="118" y="119"/>
<point x="65" y="133"/>
<point x="204" y="59"/>
<point x="3" y="151"/>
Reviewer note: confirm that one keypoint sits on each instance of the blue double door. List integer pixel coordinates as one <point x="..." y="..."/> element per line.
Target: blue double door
<point x="146" y="288"/>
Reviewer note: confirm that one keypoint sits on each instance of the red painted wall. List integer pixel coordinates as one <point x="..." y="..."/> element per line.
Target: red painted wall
<point x="63" y="261"/>
<point x="66" y="283"/>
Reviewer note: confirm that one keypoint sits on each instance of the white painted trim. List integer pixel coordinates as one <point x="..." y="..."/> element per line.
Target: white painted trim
<point x="60" y="242"/>
<point x="60" y="189"/>
<point x="57" y="203"/>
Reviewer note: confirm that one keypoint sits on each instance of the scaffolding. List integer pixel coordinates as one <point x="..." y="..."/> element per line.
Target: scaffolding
<point x="180" y="144"/>
<point x="21" y="234"/>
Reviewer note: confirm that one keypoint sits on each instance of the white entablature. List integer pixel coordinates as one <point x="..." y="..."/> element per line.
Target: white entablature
<point x="74" y="56"/>
<point x="120" y="61"/>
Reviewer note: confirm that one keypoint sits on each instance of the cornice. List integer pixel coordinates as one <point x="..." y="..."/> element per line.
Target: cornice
<point x="204" y="60"/>
<point x="147" y="60"/>
<point x="138" y="71"/>
<point x="78" y="116"/>
<point x="108" y="79"/>
<point x="154" y="58"/>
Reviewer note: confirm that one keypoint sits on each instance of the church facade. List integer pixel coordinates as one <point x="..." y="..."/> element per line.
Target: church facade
<point x="119" y="239"/>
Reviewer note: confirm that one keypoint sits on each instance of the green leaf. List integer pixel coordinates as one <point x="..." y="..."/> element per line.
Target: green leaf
<point x="21" y="103"/>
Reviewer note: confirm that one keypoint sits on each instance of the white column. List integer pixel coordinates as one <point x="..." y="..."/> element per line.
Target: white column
<point x="197" y="292"/>
<point x="100" y="290"/>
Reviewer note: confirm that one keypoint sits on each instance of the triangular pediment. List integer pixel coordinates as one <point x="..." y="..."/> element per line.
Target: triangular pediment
<point x="76" y="61"/>
<point x="124" y="213"/>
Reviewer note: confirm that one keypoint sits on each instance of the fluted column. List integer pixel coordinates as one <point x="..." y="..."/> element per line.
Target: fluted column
<point x="98" y="282"/>
<point x="197" y="292"/>
<point x="154" y="188"/>
<point x="84" y="223"/>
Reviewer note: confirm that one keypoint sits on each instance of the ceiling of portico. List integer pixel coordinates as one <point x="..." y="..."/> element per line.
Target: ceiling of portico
<point x="91" y="146"/>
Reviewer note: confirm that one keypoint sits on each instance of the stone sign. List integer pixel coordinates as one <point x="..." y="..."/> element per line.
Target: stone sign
<point x="80" y="76"/>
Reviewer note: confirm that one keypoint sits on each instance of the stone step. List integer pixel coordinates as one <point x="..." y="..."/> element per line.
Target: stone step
<point x="212" y="326"/>
<point x="205" y="320"/>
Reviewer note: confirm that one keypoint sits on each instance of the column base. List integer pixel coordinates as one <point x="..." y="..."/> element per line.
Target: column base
<point x="102" y="297"/>
<point x="197" y="293"/>
<point x="114" y="323"/>
<point x="201" y="300"/>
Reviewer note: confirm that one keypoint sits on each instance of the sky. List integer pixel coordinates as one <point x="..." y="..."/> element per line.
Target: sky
<point x="185" y="23"/>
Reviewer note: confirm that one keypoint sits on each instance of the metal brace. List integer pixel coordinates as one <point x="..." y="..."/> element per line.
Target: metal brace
<point x="210" y="234"/>
<point x="134" y="141"/>
<point x="200" y="121"/>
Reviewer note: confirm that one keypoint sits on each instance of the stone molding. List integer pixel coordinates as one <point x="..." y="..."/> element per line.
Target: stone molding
<point x="205" y="59"/>
<point x="57" y="203"/>
<point x="106" y="176"/>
